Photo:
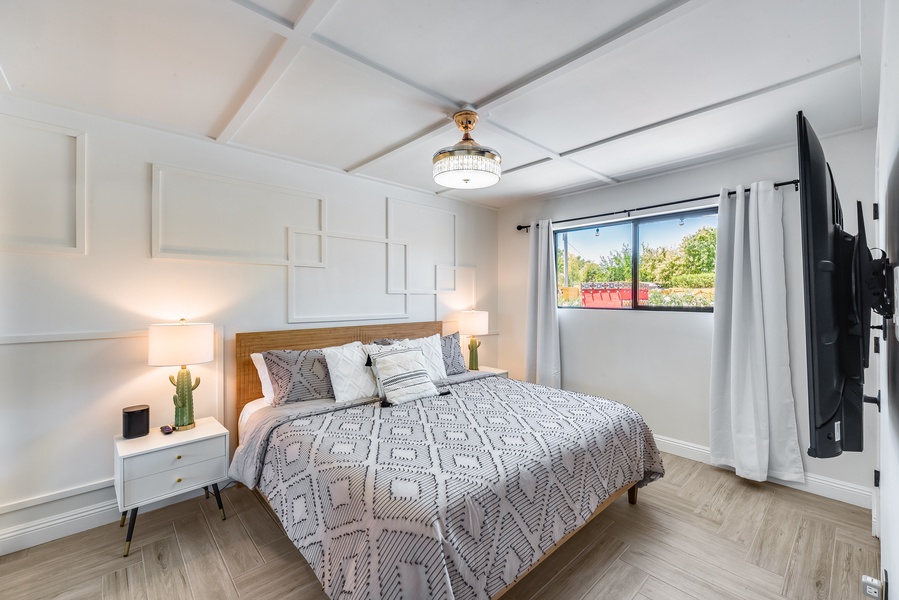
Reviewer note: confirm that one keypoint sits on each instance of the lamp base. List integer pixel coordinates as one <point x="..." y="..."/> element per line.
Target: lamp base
<point x="473" y="345"/>
<point x="184" y="399"/>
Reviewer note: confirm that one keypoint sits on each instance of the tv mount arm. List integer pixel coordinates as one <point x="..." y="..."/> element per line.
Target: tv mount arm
<point x="879" y="287"/>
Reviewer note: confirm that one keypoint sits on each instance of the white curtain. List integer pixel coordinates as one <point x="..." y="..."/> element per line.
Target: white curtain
<point x="752" y="413"/>
<point x="542" y="354"/>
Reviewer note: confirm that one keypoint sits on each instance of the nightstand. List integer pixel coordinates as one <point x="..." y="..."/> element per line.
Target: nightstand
<point x="494" y="370"/>
<point x="157" y="466"/>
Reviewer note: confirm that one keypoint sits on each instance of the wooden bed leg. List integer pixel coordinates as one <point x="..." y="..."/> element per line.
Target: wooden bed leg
<point x="632" y="494"/>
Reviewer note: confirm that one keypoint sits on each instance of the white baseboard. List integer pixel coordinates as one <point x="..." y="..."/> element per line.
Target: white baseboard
<point x="834" y="489"/>
<point x="684" y="449"/>
<point x="52" y="527"/>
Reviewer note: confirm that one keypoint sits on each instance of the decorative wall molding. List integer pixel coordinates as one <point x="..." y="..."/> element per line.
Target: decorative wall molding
<point x="200" y="216"/>
<point x="327" y="269"/>
<point x="94" y="376"/>
<point x="456" y="291"/>
<point x="51" y="338"/>
<point x="47" y="163"/>
<point x="333" y="273"/>
<point x="68" y="493"/>
<point x="815" y="484"/>
<point x="413" y="238"/>
<point x="45" y="338"/>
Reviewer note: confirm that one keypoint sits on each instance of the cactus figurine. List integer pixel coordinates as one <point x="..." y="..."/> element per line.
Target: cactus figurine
<point x="473" y="346"/>
<point x="184" y="399"/>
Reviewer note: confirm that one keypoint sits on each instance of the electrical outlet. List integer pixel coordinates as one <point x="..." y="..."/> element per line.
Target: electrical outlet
<point x="872" y="588"/>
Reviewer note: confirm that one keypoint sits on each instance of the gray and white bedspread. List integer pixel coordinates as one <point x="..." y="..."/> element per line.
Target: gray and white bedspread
<point x="449" y="497"/>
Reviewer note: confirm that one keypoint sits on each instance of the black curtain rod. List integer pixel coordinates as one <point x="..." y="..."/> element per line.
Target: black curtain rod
<point x="628" y="211"/>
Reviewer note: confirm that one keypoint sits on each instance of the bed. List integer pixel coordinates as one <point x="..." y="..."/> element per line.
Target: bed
<point x="453" y="495"/>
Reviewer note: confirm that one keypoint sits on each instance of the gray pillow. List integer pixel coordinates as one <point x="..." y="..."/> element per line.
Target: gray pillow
<point x="298" y="375"/>
<point x="452" y="354"/>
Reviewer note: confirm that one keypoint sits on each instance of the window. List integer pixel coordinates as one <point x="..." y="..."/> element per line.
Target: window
<point x="674" y="268"/>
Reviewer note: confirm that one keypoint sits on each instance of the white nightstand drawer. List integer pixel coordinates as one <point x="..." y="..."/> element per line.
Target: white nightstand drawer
<point x="180" y="479"/>
<point x="176" y="457"/>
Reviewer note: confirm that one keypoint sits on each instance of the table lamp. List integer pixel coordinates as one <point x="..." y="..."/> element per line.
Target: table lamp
<point x="473" y="323"/>
<point x="181" y="344"/>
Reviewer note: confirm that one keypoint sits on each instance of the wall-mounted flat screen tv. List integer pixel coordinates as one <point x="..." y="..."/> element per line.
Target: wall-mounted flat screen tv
<point x="842" y="283"/>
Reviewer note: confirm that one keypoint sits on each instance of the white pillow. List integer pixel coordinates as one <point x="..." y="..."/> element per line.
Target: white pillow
<point x="402" y="374"/>
<point x="372" y="349"/>
<point x="350" y="377"/>
<point x="433" y="355"/>
<point x="268" y="390"/>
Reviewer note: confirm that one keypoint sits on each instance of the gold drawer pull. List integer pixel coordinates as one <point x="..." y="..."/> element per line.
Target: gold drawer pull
<point x="178" y="480"/>
<point x="178" y="457"/>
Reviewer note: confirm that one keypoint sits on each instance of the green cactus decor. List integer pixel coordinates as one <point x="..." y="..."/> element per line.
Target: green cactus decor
<point x="184" y="399"/>
<point x="473" y="346"/>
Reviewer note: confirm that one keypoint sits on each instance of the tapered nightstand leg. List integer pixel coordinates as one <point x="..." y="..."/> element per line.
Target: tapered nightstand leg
<point x="131" y="521"/>
<point x="218" y="499"/>
<point x="122" y="521"/>
<point x="206" y="490"/>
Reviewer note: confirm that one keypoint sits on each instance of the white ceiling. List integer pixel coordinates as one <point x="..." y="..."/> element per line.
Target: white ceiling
<point x="574" y="94"/>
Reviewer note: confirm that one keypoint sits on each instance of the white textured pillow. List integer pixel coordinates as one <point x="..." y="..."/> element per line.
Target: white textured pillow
<point x="350" y="377"/>
<point x="433" y="355"/>
<point x="402" y="374"/>
<point x="268" y="390"/>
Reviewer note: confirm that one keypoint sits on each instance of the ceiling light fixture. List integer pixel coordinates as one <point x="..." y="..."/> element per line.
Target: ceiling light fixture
<point x="467" y="166"/>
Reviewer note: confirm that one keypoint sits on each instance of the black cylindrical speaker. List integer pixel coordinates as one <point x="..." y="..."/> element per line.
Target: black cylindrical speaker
<point x="135" y="421"/>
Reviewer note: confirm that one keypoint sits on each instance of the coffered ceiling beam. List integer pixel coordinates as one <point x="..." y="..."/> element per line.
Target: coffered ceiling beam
<point x="712" y="107"/>
<point x="301" y="35"/>
<point x="627" y="33"/>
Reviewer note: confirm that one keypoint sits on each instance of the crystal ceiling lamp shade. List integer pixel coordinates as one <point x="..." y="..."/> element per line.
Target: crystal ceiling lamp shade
<point x="467" y="166"/>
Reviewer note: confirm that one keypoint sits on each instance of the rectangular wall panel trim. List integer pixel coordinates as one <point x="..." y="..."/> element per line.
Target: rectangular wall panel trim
<point x="200" y="216"/>
<point x="42" y="188"/>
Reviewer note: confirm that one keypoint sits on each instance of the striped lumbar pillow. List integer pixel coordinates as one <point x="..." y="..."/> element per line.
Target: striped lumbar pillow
<point x="402" y="375"/>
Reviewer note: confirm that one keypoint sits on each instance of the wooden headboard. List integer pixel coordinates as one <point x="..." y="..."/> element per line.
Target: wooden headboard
<point x="248" y="386"/>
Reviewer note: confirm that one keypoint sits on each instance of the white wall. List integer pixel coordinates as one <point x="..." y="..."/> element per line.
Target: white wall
<point x="236" y="240"/>
<point x="888" y="170"/>
<point x="659" y="362"/>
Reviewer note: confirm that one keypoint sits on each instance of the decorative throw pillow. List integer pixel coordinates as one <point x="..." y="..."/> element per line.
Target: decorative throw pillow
<point x="350" y="377"/>
<point x="452" y="354"/>
<point x="377" y="348"/>
<point x="433" y="355"/>
<point x="298" y="375"/>
<point x="402" y="374"/>
<point x="268" y="391"/>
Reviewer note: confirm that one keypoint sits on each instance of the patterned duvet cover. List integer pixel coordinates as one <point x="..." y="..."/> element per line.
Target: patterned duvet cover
<point x="450" y="497"/>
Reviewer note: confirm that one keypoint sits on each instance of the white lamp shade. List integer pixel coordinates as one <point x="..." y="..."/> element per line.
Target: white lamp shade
<point x="176" y="344"/>
<point x="473" y="322"/>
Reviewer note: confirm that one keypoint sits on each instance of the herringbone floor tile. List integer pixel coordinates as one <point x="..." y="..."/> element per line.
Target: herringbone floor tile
<point x="700" y="533"/>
